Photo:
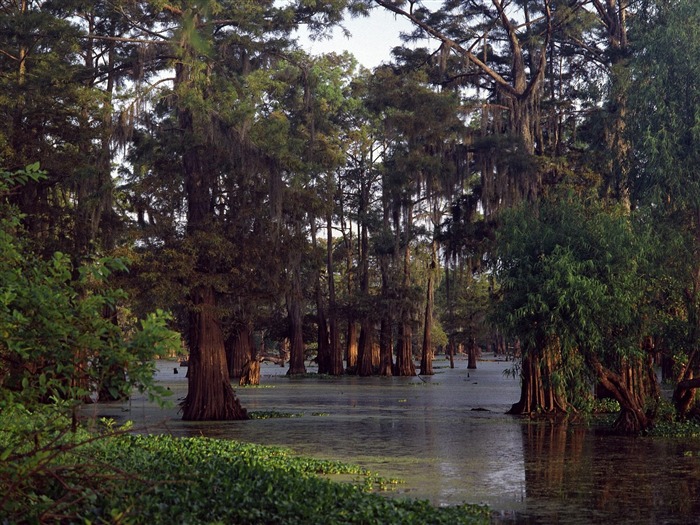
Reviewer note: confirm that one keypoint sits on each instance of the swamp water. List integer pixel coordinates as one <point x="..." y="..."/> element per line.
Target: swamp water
<point x="448" y="439"/>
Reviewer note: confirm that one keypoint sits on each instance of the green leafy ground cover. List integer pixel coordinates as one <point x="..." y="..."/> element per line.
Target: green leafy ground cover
<point x="124" y="478"/>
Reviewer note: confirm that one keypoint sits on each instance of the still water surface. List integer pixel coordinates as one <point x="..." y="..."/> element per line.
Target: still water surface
<point x="448" y="438"/>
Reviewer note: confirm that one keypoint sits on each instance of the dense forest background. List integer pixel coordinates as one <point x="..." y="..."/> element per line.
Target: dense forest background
<point x="527" y="183"/>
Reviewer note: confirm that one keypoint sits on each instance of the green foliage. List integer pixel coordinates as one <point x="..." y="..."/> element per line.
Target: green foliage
<point x="569" y="273"/>
<point x="160" y="479"/>
<point x="664" y="127"/>
<point x="56" y="340"/>
<point x="57" y="348"/>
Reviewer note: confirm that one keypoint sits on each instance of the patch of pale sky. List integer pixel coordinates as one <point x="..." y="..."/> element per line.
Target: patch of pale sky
<point x="371" y="38"/>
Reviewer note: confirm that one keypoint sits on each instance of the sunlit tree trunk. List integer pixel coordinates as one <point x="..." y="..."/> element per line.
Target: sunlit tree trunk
<point x="351" y="348"/>
<point x="426" y="365"/>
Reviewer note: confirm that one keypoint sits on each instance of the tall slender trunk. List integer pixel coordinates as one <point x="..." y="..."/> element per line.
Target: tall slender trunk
<point x="426" y="364"/>
<point x="323" y="349"/>
<point x="295" y="300"/>
<point x="351" y="334"/>
<point x="404" y="355"/>
<point x="335" y="356"/>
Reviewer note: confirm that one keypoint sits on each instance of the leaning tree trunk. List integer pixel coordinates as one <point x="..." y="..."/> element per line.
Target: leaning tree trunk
<point x="633" y="417"/>
<point x="686" y="387"/>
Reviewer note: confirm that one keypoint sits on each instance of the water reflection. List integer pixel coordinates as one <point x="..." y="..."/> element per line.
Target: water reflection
<point x="427" y="432"/>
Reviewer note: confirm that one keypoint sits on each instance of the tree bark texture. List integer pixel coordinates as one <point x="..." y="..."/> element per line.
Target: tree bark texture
<point x="365" y="367"/>
<point x="251" y="373"/>
<point x="404" y="355"/>
<point x="633" y="417"/>
<point x="426" y="362"/>
<point x="539" y="394"/>
<point x="352" y="345"/>
<point x="210" y="396"/>
<point x="239" y="350"/>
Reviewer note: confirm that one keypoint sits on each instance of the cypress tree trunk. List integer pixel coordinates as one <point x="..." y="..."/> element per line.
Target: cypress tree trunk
<point x="323" y="351"/>
<point x="404" y="355"/>
<point x="365" y="367"/>
<point x="633" y="417"/>
<point x="472" y="353"/>
<point x="386" y="346"/>
<point x="426" y="364"/>
<point x="335" y="356"/>
<point x="210" y="396"/>
<point x="295" y="311"/>
<point x="239" y="350"/>
<point x="352" y="345"/>
<point x="539" y="393"/>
